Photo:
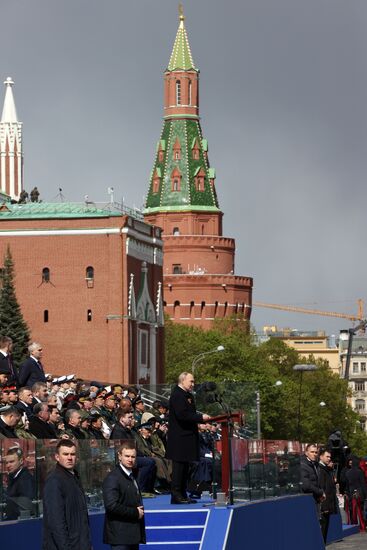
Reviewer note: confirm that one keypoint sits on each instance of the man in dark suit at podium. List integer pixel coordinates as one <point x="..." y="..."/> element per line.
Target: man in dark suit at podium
<point x="31" y="370"/>
<point x="183" y="436"/>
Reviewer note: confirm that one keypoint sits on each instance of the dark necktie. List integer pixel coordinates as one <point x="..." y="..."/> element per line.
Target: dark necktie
<point x="10" y="365"/>
<point x="40" y="366"/>
<point x="136" y="486"/>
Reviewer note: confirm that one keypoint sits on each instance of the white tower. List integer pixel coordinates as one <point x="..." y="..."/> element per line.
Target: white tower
<point x="11" y="154"/>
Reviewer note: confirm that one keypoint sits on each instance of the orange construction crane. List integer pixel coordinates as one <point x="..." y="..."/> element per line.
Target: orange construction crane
<point x="358" y="317"/>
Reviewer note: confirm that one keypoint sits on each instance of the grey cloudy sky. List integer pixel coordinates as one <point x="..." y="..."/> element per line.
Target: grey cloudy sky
<point x="283" y="106"/>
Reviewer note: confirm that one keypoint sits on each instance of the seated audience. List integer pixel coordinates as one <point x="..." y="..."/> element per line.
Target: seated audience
<point x="21" y="487"/>
<point x="39" y="424"/>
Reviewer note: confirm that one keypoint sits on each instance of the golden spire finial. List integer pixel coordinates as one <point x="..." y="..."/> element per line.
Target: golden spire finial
<point x="180" y="11"/>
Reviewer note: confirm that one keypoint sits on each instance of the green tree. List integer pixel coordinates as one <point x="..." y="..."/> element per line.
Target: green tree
<point x="11" y="319"/>
<point x="245" y="367"/>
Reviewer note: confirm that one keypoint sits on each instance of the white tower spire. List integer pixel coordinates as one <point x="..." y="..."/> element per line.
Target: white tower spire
<point x="11" y="154"/>
<point x="9" y="110"/>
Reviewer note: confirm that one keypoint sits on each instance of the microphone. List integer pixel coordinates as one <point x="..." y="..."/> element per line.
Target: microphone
<point x="205" y="387"/>
<point x="211" y="398"/>
<point x="209" y="386"/>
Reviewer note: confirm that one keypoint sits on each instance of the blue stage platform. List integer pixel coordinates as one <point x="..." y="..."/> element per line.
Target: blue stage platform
<point x="283" y="523"/>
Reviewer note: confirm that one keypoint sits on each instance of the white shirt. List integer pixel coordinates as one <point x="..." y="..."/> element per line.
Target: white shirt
<point x="127" y="472"/>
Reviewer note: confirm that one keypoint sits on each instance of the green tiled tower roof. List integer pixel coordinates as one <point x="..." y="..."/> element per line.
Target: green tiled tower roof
<point x="186" y="133"/>
<point x="182" y="178"/>
<point x="181" y="58"/>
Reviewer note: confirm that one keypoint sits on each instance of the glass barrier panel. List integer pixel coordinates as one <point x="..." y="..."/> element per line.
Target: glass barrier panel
<point x="95" y="459"/>
<point x="18" y="479"/>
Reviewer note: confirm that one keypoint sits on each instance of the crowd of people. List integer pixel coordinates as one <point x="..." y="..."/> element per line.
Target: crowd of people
<point x="319" y="478"/>
<point x="35" y="405"/>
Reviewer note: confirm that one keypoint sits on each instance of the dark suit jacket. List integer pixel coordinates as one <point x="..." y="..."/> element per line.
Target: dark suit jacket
<point x="327" y="484"/>
<point x="6" y="431"/>
<point x="25" y="409"/>
<point x="30" y="372"/>
<point x="41" y="429"/>
<point x="310" y="478"/>
<point x="183" y="438"/>
<point x="65" y="515"/>
<point x="121" y="499"/>
<point x="355" y="481"/>
<point x="13" y="376"/>
<point x="119" y="432"/>
<point x="20" y="493"/>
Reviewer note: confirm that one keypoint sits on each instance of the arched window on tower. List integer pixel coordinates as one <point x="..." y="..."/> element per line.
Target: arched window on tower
<point x="176" y="231"/>
<point x="176" y="310"/>
<point x="176" y="180"/>
<point x="177" y="150"/>
<point x="225" y="309"/>
<point x="190" y="88"/>
<point x="199" y="179"/>
<point x="46" y="275"/>
<point x="195" y="150"/>
<point x="161" y="149"/>
<point x="178" y="92"/>
<point x="156" y="180"/>
<point x="89" y="276"/>
<point x="192" y="310"/>
<point x="202" y="309"/>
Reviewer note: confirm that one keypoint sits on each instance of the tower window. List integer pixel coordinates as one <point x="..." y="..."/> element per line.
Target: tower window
<point x="190" y="86"/>
<point x="177" y="150"/>
<point x="176" y="231"/>
<point x="176" y="309"/>
<point x="89" y="315"/>
<point x="156" y="183"/>
<point x="178" y="92"/>
<point x="200" y="183"/>
<point x="89" y="276"/>
<point x="192" y="309"/>
<point x="45" y="316"/>
<point x="45" y="275"/>
<point x="176" y="180"/>
<point x="177" y="269"/>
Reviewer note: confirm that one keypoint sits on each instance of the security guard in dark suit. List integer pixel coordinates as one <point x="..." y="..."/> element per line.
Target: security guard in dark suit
<point x="124" y="526"/>
<point x="183" y="437"/>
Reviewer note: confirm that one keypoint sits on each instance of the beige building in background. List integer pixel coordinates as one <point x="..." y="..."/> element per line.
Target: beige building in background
<point x="316" y="343"/>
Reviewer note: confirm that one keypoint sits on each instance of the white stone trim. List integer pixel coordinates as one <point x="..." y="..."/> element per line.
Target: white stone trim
<point x="55" y="232"/>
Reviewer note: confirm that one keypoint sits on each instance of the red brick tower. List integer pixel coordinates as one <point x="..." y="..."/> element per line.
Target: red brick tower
<point x="198" y="265"/>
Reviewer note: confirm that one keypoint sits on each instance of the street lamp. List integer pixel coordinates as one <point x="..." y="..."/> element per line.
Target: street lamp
<point x="258" y="409"/>
<point x="301" y="369"/>
<point x="201" y="355"/>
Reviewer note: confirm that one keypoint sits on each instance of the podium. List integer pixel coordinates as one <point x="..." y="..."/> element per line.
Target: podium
<point x="226" y="422"/>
